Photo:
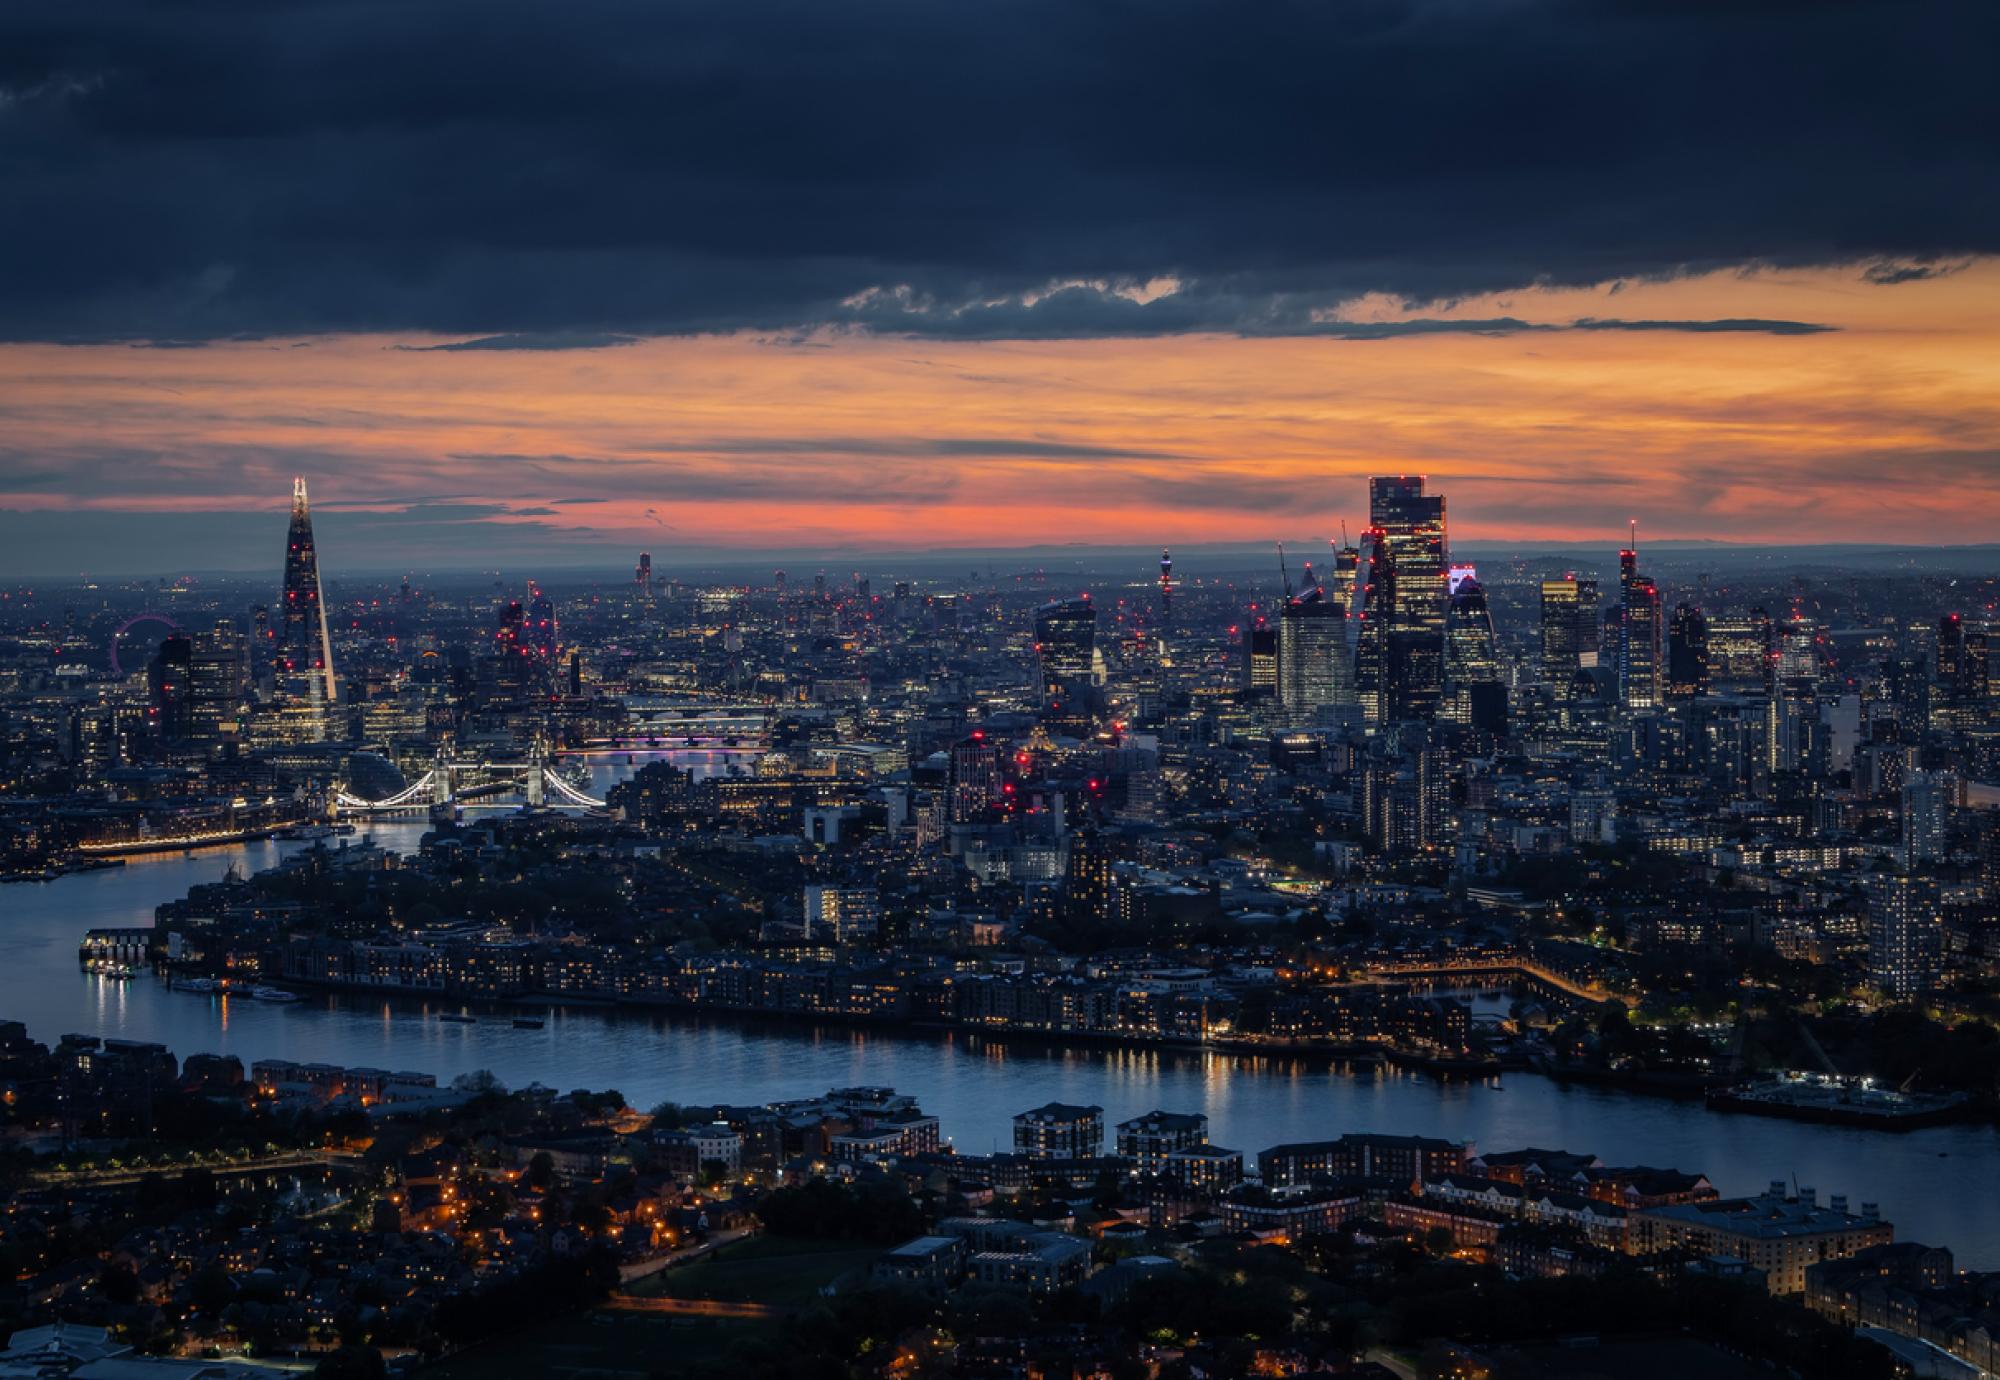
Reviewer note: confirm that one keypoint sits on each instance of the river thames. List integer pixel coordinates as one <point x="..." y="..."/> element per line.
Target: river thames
<point x="1935" y="1185"/>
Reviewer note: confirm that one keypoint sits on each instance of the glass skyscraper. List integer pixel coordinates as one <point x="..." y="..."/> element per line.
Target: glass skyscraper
<point x="1313" y="670"/>
<point x="1569" y="632"/>
<point x="1066" y="653"/>
<point x="1401" y="656"/>
<point x="305" y="650"/>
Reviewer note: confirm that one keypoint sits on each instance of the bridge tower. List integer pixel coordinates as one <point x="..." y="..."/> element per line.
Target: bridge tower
<point x="538" y="763"/>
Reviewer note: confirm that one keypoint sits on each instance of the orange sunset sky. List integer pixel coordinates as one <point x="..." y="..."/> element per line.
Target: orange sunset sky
<point x="1884" y="428"/>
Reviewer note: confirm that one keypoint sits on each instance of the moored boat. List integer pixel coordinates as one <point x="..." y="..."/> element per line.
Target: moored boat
<point x="1839" y="1101"/>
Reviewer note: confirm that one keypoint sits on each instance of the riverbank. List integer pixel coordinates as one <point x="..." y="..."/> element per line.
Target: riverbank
<point x="57" y="870"/>
<point x="184" y="843"/>
<point x="1444" y="1065"/>
<point x="1932" y="1183"/>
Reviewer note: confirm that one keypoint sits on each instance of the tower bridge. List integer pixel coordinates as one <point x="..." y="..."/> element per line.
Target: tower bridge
<point x="454" y="780"/>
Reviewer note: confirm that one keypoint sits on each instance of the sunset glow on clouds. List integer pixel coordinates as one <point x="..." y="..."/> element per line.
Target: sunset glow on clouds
<point x="1886" y="428"/>
<point x="537" y="281"/>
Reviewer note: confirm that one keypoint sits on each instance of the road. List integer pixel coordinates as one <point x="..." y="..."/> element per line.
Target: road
<point x="1524" y="968"/>
<point x="111" y="1178"/>
<point x="648" y="1268"/>
<point x="692" y="1308"/>
<point x="1391" y="1361"/>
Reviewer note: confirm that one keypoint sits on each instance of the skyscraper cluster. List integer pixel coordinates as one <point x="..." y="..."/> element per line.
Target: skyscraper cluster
<point x="1400" y="636"/>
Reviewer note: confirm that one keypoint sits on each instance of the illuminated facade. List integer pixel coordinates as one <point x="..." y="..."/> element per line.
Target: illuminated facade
<point x="1475" y="694"/>
<point x="1314" y="674"/>
<point x="1905" y="932"/>
<point x="305" y="649"/>
<point x="1687" y="653"/>
<point x="1642" y="629"/>
<point x="1569" y="631"/>
<point x="1400" y="660"/>
<point x="1260" y="656"/>
<point x="1066" y="653"/>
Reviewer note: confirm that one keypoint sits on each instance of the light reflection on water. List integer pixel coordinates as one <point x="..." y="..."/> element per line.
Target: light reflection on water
<point x="1934" y="1184"/>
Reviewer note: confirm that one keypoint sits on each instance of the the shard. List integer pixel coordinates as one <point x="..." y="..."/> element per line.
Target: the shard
<point x="305" y="651"/>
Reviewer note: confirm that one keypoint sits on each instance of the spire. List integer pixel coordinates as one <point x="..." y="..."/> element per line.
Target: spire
<point x="305" y="646"/>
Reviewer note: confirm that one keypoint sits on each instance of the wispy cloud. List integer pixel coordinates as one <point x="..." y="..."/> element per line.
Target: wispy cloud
<point x="530" y="340"/>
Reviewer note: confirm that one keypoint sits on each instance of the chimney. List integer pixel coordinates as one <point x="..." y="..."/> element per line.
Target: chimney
<point x="1809" y="1195"/>
<point x="1872" y="1211"/>
<point x="1838" y="1202"/>
<point x="1776" y="1190"/>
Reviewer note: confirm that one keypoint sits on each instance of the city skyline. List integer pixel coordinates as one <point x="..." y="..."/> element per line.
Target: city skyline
<point x="1125" y="690"/>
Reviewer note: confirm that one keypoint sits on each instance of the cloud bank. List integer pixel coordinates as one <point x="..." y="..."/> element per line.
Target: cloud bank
<point x="540" y="176"/>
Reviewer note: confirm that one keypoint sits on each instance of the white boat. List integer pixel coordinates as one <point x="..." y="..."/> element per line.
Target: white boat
<point x="193" y="984"/>
<point x="277" y="994"/>
<point x="307" y="832"/>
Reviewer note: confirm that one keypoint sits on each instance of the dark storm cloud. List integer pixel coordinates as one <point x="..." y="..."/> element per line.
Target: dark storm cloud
<point x="1105" y="311"/>
<point x="516" y="171"/>
<point x="535" y="340"/>
<point x="1733" y="323"/>
<point x="1889" y="273"/>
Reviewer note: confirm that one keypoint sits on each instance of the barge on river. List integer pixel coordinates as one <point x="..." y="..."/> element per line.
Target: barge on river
<point x="1840" y="1102"/>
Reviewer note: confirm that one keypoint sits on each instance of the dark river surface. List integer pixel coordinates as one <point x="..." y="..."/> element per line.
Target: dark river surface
<point x="1936" y="1185"/>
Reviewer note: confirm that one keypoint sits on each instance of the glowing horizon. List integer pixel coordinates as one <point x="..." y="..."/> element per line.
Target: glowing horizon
<point x="1688" y="414"/>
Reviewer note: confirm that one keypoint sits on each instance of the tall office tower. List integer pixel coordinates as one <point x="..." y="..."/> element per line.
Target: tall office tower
<point x="1905" y="932"/>
<point x="1066" y="651"/>
<point x="305" y="648"/>
<point x="1346" y="587"/>
<point x="168" y="678"/>
<point x="643" y="576"/>
<point x="1950" y="655"/>
<point x="1371" y="633"/>
<point x="1791" y="690"/>
<point x="1411" y="552"/>
<point x="1687" y="653"/>
<point x="1569" y="631"/>
<point x="218" y="682"/>
<point x="1260" y="655"/>
<point x="1614" y="619"/>
<point x="1928" y="797"/>
<point x="1798" y="650"/>
<point x="1978" y="676"/>
<point x="1404" y="798"/>
<point x="1474" y="692"/>
<point x="1989" y="853"/>
<point x="1166" y="586"/>
<point x="1346" y="576"/>
<point x="541" y="625"/>
<point x="1840" y="723"/>
<point x="511" y="636"/>
<point x="1313" y="671"/>
<point x="1641" y="627"/>
<point x="507" y="679"/>
<point x="974" y="783"/>
<point x="1087" y="894"/>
